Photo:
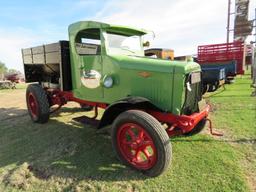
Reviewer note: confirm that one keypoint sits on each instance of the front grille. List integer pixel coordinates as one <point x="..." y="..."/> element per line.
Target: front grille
<point x="192" y="97"/>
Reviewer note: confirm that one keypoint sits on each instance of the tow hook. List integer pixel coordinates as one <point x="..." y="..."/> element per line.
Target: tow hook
<point x="211" y="130"/>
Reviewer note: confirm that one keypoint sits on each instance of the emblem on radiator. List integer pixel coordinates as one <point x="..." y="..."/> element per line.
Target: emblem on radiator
<point x="144" y="74"/>
<point x="91" y="79"/>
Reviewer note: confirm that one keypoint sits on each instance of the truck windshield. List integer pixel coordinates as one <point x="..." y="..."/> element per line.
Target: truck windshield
<point x="128" y="45"/>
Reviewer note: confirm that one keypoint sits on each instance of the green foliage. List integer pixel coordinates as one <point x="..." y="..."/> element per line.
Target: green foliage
<point x="13" y="71"/>
<point x="3" y="68"/>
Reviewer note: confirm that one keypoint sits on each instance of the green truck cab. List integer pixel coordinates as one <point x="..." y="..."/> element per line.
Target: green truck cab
<point x="146" y="100"/>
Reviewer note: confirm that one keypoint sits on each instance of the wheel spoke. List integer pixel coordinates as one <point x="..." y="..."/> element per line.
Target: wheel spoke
<point x="136" y="156"/>
<point x="137" y="146"/>
<point x="125" y="142"/>
<point x="132" y="134"/>
<point x="32" y="105"/>
<point x="141" y="135"/>
<point x="147" y="143"/>
<point x="146" y="153"/>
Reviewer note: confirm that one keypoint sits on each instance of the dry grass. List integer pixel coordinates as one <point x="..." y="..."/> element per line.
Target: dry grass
<point x="64" y="155"/>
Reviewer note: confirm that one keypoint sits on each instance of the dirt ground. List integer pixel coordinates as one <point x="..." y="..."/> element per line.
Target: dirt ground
<point x="10" y="103"/>
<point x="13" y="103"/>
<point x="64" y="155"/>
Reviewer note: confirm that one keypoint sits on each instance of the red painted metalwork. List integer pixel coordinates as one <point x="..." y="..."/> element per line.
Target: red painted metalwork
<point x="221" y="53"/>
<point x="179" y="124"/>
<point x="70" y="97"/>
<point x="62" y="97"/>
<point x="184" y="123"/>
<point x="136" y="146"/>
<point x="95" y="112"/>
<point x="33" y="106"/>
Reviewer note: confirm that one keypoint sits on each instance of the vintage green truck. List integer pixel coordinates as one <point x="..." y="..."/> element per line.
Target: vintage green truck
<point x="146" y="100"/>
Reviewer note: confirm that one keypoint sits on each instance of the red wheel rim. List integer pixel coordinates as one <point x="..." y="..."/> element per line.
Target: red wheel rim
<point x="136" y="146"/>
<point x="33" y="106"/>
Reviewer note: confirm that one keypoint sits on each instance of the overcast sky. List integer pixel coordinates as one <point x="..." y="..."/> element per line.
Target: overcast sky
<point x="181" y="25"/>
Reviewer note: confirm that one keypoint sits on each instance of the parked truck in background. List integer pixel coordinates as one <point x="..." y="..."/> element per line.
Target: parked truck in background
<point x="104" y="66"/>
<point x="160" y="53"/>
<point x="225" y="54"/>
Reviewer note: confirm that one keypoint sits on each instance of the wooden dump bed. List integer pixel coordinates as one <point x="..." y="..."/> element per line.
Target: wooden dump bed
<point x="49" y="65"/>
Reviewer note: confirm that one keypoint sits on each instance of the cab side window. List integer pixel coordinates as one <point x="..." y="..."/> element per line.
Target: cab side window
<point x="88" y="42"/>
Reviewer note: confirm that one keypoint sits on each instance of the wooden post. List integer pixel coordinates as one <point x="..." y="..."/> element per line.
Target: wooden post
<point x="228" y="20"/>
<point x="254" y="60"/>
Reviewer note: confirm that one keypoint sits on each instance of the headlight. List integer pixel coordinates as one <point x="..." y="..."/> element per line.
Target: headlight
<point x="108" y="81"/>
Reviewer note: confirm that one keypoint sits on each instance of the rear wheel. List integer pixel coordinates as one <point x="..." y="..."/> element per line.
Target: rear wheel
<point x="141" y="142"/>
<point x="37" y="103"/>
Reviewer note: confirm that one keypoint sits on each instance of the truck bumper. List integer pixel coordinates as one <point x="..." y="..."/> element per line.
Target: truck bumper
<point x="180" y="124"/>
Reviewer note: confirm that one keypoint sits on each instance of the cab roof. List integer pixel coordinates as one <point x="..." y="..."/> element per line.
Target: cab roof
<point x="78" y="26"/>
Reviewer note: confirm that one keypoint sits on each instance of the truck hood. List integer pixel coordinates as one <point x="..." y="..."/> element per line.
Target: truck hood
<point x="155" y="64"/>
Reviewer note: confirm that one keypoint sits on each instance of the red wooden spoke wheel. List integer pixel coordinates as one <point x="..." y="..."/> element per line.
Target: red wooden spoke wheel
<point x="33" y="106"/>
<point x="141" y="142"/>
<point x="136" y="146"/>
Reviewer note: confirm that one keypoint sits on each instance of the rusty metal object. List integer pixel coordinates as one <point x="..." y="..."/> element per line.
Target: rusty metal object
<point x="160" y="53"/>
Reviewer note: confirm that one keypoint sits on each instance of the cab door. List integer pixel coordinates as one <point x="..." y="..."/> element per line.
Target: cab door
<point x="89" y="63"/>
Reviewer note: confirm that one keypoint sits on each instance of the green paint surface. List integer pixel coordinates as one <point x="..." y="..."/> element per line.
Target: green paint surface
<point x="164" y="87"/>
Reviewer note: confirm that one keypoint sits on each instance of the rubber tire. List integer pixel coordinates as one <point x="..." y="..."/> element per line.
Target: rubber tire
<point x="213" y="87"/>
<point x="156" y="132"/>
<point x="42" y="101"/>
<point x="204" y="88"/>
<point x="198" y="128"/>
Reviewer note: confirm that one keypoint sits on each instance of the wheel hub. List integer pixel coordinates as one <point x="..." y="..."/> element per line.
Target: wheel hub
<point x="32" y="105"/>
<point x="137" y="146"/>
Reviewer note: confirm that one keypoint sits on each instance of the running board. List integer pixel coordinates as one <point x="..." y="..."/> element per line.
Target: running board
<point x="87" y="121"/>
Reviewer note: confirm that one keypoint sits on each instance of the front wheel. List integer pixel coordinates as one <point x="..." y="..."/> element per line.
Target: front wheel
<point x="141" y="142"/>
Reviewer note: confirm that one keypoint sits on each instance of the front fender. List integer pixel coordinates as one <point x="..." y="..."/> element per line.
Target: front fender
<point x="113" y="110"/>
